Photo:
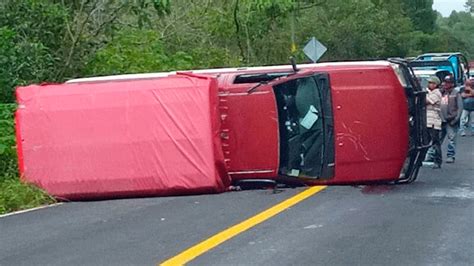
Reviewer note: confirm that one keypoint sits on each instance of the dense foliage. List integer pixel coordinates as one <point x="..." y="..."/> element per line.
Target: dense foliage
<point x="54" y="40"/>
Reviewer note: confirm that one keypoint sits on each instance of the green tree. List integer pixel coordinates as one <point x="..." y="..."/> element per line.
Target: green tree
<point x="421" y="14"/>
<point x="136" y="51"/>
<point x="29" y="43"/>
<point x="23" y="62"/>
<point x="457" y="33"/>
<point x="357" y="29"/>
<point x="470" y="5"/>
<point x="51" y="40"/>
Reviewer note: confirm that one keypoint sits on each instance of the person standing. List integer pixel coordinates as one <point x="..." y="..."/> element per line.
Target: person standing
<point x="467" y="116"/>
<point x="434" y="121"/>
<point x="451" y="109"/>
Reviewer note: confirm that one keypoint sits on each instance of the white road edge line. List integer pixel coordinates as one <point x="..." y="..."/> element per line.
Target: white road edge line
<point x="30" y="210"/>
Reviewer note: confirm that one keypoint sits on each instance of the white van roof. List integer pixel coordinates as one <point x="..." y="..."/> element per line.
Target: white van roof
<point x="221" y="70"/>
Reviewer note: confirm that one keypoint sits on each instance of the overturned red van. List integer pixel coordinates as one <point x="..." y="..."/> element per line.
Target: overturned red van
<point x="328" y="123"/>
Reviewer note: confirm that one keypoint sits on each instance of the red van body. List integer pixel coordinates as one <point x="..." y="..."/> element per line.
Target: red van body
<point x="371" y="123"/>
<point x="328" y="123"/>
<point x="370" y="116"/>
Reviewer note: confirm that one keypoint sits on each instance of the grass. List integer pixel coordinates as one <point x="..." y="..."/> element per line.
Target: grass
<point x="14" y="195"/>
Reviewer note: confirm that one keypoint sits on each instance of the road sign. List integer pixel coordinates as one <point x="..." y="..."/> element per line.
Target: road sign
<point x="314" y="49"/>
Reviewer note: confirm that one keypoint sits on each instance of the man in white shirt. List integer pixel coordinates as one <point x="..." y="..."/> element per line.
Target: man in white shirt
<point x="434" y="121"/>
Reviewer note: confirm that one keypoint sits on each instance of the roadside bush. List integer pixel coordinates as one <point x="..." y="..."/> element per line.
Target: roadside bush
<point x="8" y="159"/>
<point x="14" y="195"/>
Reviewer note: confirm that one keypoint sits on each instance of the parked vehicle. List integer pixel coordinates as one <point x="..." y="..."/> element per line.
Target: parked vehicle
<point x="328" y="123"/>
<point x="440" y="65"/>
<point x="424" y="74"/>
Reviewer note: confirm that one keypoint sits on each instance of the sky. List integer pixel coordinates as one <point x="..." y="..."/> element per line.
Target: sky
<point x="445" y="7"/>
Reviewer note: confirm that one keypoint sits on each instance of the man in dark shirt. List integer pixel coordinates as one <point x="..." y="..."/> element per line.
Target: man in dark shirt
<point x="451" y="109"/>
<point x="467" y="116"/>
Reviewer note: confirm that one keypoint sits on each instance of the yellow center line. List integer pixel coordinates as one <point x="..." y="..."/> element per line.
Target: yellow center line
<point x="219" y="238"/>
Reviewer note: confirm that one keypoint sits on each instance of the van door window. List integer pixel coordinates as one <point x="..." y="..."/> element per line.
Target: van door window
<point x="305" y="120"/>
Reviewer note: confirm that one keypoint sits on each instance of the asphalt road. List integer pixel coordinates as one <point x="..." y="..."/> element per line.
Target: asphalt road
<point x="429" y="222"/>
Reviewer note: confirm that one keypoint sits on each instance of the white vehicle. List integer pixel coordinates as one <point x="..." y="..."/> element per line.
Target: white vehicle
<point x="424" y="74"/>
